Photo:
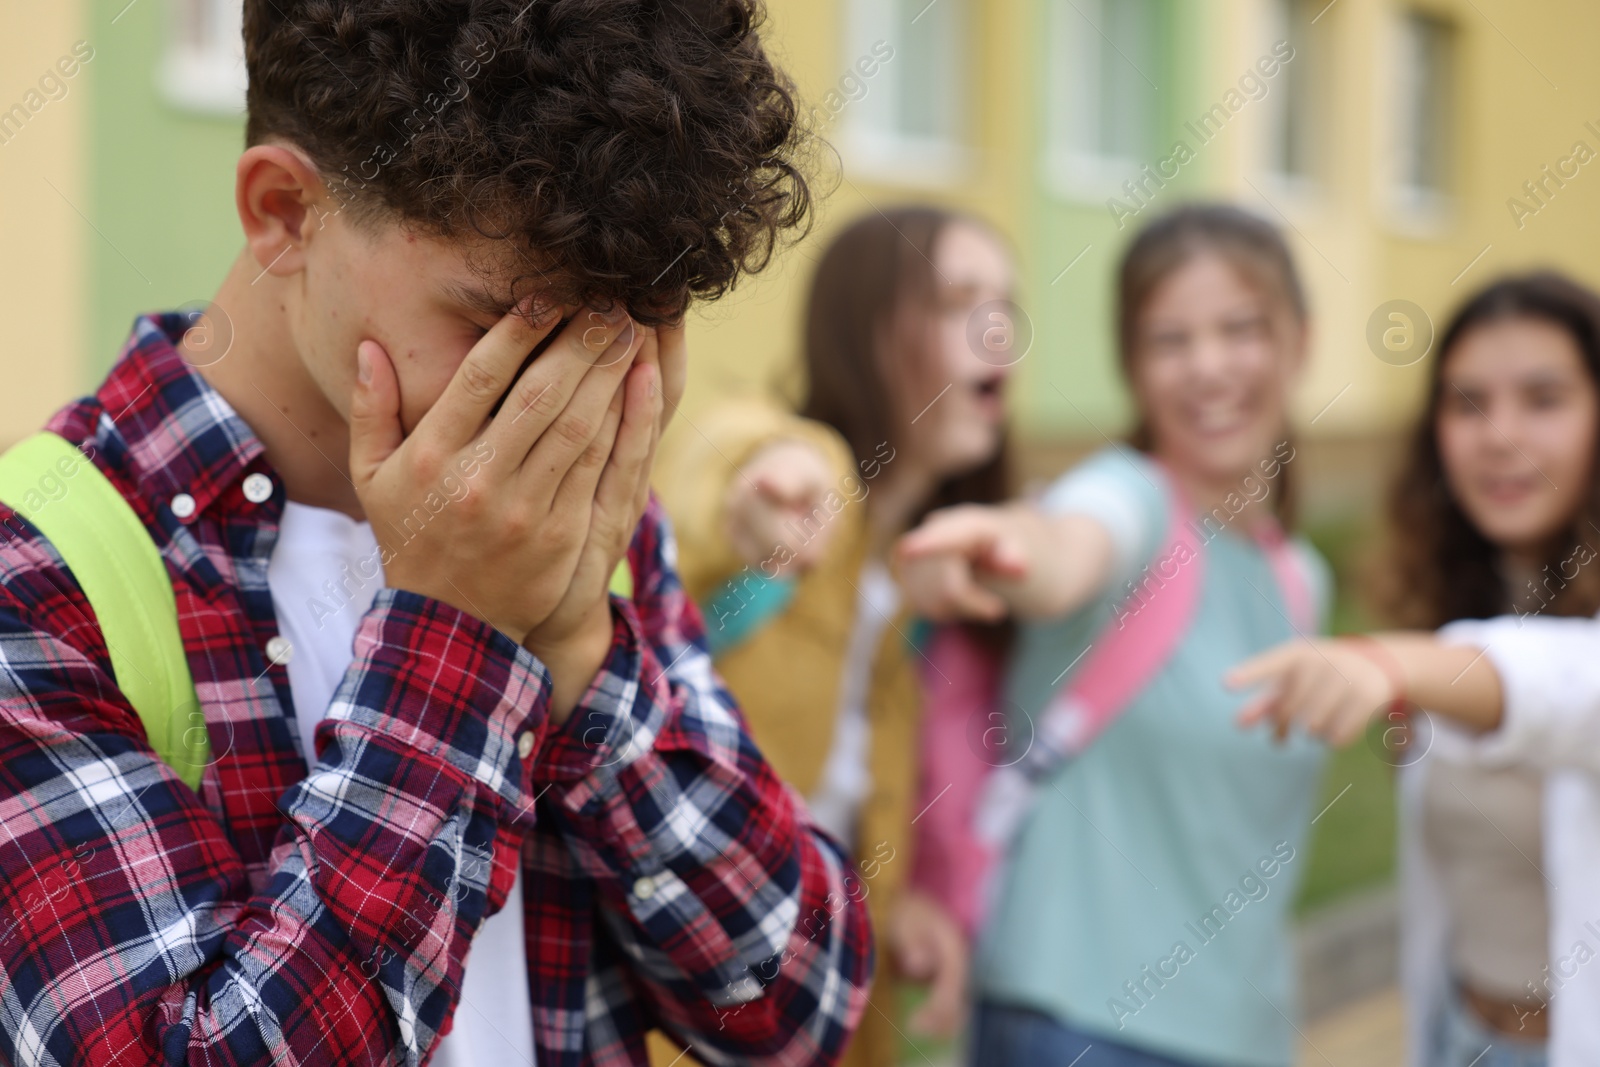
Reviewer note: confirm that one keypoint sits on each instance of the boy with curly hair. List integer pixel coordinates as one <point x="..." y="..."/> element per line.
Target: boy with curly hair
<point x="391" y="474"/>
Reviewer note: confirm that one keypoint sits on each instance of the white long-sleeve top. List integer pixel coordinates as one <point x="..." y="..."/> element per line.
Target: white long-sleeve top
<point x="1550" y="672"/>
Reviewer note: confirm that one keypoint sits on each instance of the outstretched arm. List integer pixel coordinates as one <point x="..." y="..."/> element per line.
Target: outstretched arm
<point x="987" y="562"/>
<point x="749" y="485"/>
<point x="1332" y="687"/>
<point x="1549" y="671"/>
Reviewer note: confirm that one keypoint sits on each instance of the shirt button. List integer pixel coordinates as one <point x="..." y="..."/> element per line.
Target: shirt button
<point x="183" y="505"/>
<point x="279" y="650"/>
<point x="257" y="488"/>
<point x="525" y="745"/>
<point x="644" y="888"/>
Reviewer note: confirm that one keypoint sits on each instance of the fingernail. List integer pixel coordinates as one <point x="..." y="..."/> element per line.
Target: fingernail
<point x="363" y="364"/>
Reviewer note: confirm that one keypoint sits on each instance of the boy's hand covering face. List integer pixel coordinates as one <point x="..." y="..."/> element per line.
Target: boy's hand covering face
<point x="575" y="639"/>
<point x="546" y="450"/>
<point x="626" y="449"/>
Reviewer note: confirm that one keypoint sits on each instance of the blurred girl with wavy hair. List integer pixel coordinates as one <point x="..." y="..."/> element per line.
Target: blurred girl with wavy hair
<point x="1495" y="693"/>
<point x="785" y="521"/>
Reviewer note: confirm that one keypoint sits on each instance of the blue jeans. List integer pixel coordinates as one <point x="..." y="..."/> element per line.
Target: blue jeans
<point x="1460" y="1040"/>
<point x="1004" y="1036"/>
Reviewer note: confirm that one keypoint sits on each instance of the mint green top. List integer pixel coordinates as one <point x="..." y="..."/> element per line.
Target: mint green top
<point x="1147" y="897"/>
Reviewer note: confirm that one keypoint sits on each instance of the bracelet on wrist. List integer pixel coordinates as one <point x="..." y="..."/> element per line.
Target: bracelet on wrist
<point x="1376" y="652"/>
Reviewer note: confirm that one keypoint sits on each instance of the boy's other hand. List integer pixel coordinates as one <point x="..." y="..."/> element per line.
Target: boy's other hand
<point x="508" y="547"/>
<point x="574" y="639"/>
<point x="942" y="563"/>
<point x="768" y="504"/>
<point x="672" y="344"/>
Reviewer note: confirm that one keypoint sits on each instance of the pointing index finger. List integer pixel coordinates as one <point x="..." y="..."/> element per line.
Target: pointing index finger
<point x="1262" y="668"/>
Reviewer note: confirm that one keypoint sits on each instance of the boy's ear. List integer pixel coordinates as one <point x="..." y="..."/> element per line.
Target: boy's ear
<point x="281" y="202"/>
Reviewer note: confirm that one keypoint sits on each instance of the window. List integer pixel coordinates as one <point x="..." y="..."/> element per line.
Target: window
<point x="908" y="117"/>
<point x="203" y="68"/>
<point x="1294" y="122"/>
<point x="1102" y="102"/>
<point x="1424" y="113"/>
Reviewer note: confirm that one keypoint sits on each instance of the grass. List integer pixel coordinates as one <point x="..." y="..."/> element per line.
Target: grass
<point x="1353" y="840"/>
<point x="1352" y="843"/>
<point x="919" y="1051"/>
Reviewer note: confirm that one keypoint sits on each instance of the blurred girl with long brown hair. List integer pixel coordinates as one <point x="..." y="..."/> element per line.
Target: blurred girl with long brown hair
<point x="1496" y="530"/>
<point x="785" y="521"/>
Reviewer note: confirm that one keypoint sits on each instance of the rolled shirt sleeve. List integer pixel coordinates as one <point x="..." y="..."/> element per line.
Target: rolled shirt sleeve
<point x="743" y="922"/>
<point x="1550" y="671"/>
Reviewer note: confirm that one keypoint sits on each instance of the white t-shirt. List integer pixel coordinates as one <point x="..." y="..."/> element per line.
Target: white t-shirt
<point x="324" y="573"/>
<point x="846" y="777"/>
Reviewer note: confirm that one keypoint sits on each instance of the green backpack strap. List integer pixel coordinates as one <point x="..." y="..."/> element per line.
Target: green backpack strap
<point x="54" y="486"/>
<point x="622" y="580"/>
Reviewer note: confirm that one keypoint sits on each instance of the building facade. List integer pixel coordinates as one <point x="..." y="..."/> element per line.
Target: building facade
<point x="1411" y="150"/>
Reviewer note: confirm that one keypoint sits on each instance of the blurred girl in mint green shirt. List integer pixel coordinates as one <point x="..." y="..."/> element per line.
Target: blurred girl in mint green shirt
<point x="1140" y="915"/>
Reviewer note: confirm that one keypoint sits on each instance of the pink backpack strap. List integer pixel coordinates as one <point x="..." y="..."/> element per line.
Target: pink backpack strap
<point x="968" y="807"/>
<point x="962" y="717"/>
<point x="1289" y="570"/>
<point x="1147" y="629"/>
<point x="1130" y="651"/>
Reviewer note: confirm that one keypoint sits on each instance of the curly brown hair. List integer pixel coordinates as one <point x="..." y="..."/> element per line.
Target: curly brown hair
<point x="877" y="265"/>
<point x="641" y="152"/>
<point x="1438" y="567"/>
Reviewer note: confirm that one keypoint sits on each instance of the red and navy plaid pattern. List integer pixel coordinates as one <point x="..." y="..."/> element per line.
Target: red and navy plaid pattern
<point x="670" y="879"/>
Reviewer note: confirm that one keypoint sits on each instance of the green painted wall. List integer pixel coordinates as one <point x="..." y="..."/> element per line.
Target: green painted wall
<point x="1070" y="383"/>
<point x="161" y="183"/>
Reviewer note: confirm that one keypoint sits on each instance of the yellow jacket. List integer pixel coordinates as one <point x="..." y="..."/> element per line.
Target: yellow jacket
<point x="786" y="676"/>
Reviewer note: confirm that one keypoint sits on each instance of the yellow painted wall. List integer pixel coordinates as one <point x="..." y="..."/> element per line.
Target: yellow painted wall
<point x="1531" y="85"/>
<point x="42" y="237"/>
<point x="750" y="341"/>
<point x="1525" y="85"/>
<point x="1331" y="227"/>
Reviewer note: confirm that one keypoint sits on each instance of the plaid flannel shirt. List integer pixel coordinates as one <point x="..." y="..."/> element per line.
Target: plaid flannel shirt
<point x="670" y="879"/>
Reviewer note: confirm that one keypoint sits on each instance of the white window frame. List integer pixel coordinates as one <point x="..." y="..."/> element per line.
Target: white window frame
<point x="1418" y="209"/>
<point x="1309" y="69"/>
<point x="1075" y="169"/>
<point x="202" y="68"/>
<point x="868" y="139"/>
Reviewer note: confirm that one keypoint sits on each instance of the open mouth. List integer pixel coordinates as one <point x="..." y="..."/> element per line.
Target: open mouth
<point x="1507" y="490"/>
<point x="988" y="395"/>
